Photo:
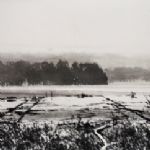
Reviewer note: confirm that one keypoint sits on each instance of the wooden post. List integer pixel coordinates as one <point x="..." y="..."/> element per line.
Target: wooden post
<point x="51" y="95"/>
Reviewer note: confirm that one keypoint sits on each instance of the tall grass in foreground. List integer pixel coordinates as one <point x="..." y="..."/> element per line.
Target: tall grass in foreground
<point x="128" y="136"/>
<point x="76" y="136"/>
<point x="48" y="137"/>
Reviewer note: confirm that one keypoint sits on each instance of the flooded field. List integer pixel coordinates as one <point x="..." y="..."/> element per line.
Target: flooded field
<point x="70" y="102"/>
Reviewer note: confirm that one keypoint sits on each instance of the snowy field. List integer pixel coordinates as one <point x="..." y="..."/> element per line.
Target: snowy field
<point x="64" y="102"/>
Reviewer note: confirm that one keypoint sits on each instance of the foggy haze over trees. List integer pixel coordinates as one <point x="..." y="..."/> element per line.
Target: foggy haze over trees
<point x="128" y="74"/>
<point x="61" y="73"/>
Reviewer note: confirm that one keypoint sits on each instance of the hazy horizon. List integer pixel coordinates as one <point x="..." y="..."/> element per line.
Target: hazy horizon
<point x="105" y="60"/>
<point x="93" y="27"/>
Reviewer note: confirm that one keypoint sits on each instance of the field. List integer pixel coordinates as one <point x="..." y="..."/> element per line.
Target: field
<point x="60" y="103"/>
<point x="101" y="113"/>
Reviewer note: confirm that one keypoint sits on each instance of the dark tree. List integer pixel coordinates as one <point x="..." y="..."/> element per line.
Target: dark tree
<point x="16" y="73"/>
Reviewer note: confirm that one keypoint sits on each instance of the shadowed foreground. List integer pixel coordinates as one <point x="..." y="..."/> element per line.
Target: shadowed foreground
<point x="74" y="136"/>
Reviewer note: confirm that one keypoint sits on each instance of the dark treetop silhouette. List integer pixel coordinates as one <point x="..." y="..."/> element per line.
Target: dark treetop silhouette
<point x="61" y="73"/>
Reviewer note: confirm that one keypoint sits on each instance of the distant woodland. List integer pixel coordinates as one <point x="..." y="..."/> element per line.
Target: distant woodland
<point x="128" y="74"/>
<point x="60" y="73"/>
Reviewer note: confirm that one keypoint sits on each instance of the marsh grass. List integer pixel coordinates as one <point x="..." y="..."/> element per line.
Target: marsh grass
<point x="17" y="136"/>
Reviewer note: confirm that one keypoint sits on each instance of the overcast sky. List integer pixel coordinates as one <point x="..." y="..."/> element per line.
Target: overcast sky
<point x="98" y="26"/>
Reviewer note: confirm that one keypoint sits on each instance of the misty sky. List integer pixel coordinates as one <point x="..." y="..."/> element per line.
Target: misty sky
<point x="96" y="26"/>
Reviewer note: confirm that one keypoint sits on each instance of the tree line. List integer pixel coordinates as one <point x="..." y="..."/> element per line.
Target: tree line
<point x="48" y="73"/>
<point x="128" y="74"/>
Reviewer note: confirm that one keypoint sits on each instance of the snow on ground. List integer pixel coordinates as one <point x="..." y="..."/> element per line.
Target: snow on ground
<point x="70" y="103"/>
<point x="139" y="102"/>
<point x="74" y="103"/>
<point x="65" y="105"/>
<point x="4" y="104"/>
